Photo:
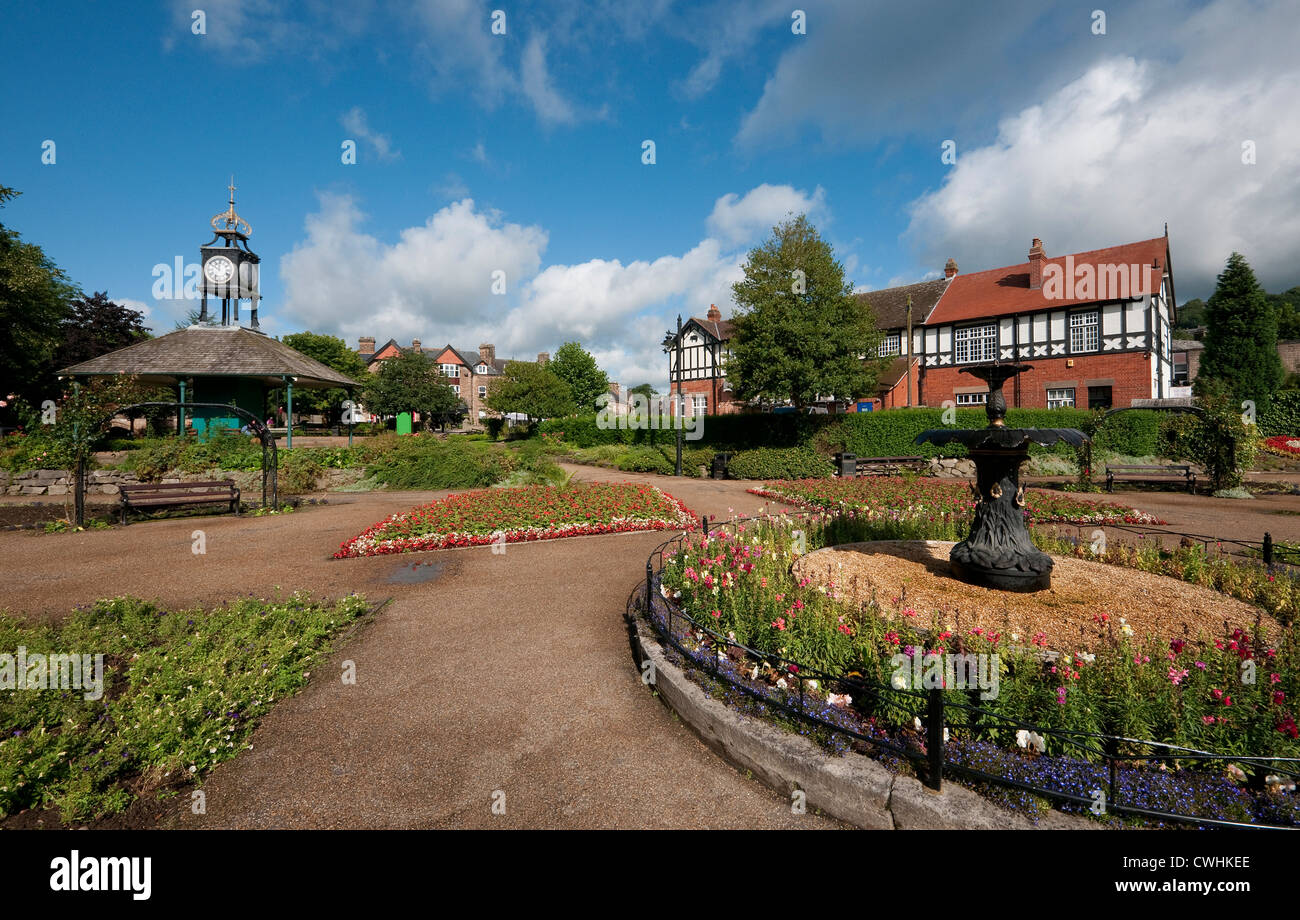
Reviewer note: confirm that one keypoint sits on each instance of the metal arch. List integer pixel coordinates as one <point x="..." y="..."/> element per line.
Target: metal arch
<point x="1105" y="416"/>
<point x="259" y="428"/>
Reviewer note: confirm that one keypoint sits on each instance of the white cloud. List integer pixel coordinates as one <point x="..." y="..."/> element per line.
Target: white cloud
<point x="354" y="121"/>
<point x="436" y="279"/>
<point x="737" y="220"/>
<point x="1114" y="154"/>
<point x="138" y="305"/>
<point x="551" y="107"/>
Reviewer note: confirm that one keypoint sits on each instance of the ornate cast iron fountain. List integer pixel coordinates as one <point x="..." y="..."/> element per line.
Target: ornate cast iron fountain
<point x="998" y="552"/>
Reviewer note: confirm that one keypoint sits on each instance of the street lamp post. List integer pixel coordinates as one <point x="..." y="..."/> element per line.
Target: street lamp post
<point x="679" y="395"/>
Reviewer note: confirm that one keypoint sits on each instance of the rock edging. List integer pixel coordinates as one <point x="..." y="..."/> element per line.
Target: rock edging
<point x="853" y="787"/>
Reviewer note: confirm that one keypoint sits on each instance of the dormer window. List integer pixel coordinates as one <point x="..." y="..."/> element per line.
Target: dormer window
<point x="482" y="368"/>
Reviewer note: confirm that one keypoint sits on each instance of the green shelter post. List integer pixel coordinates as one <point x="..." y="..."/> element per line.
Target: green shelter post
<point x="180" y="413"/>
<point x="288" y="419"/>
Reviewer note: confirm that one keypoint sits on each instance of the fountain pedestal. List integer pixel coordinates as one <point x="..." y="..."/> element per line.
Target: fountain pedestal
<point x="999" y="552"/>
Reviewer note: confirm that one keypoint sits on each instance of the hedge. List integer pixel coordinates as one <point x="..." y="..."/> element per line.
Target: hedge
<point x="889" y="433"/>
<point x="1281" y="416"/>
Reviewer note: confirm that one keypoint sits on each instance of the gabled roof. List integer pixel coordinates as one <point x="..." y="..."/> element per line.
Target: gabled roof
<point x="889" y="306"/>
<point x="1003" y="291"/>
<point x="212" y="351"/>
<point x="894" y="373"/>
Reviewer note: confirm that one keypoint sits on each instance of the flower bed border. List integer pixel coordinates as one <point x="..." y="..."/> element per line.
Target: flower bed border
<point x="685" y="520"/>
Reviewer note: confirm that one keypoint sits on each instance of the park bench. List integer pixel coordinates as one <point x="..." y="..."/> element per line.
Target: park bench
<point x="176" y="494"/>
<point x="1138" y="473"/>
<point x="884" y="466"/>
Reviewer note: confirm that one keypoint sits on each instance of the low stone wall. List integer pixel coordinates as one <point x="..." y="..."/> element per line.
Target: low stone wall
<point x="950" y="468"/>
<point x="109" y="482"/>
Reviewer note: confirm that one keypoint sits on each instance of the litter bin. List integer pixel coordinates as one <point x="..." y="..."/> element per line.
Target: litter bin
<point x="846" y="465"/>
<point x="720" y="462"/>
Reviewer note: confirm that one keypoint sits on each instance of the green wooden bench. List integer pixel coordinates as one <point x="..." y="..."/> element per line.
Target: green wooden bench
<point x="177" y="494"/>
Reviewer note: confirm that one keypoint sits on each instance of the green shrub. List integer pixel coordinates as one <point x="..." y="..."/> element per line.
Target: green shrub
<point x="1282" y="415"/>
<point x="779" y="463"/>
<point x="424" y="462"/>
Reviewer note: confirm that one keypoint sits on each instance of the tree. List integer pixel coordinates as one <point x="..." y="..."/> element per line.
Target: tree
<point x="645" y="390"/>
<point x="586" y="381"/>
<point x="34" y="301"/>
<point x="334" y="353"/>
<point x="531" y="390"/>
<point x="1240" y="337"/>
<point x="95" y="326"/>
<point x="1191" y="314"/>
<point x="408" y="383"/>
<point x="800" y="333"/>
<point x="1287" y="307"/>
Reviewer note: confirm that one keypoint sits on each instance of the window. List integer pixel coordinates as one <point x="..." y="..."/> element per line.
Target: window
<point x="1084" y="329"/>
<point x="977" y="343"/>
<point x="455" y="388"/>
<point x="482" y="392"/>
<point x="482" y="368"/>
<point x="972" y="399"/>
<point x="1099" y="398"/>
<point x="1062" y="398"/>
<point x="1180" y="369"/>
<point x="891" y="344"/>
<point x="450" y="370"/>
<point x="699" y="405"/>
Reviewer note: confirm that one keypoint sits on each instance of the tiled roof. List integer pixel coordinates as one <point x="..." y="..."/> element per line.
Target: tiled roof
<point x="216" y="351"/>
<point x="721" y="329"/>
<point x="1003" y="291"/>
<point x="889" y="306"/>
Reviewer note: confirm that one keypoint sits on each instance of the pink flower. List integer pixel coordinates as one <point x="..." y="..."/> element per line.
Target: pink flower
<point x="1060" y="696"/>
<point x="1176" y="675"/>
<point x="779" y="623"/>
<point x="717" y="613"/>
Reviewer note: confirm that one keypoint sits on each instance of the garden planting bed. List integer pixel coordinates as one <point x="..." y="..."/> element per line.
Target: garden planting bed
<point x="488" y="516"/>
<point x="1085" y="603"/>
<point x="932" y="499"/>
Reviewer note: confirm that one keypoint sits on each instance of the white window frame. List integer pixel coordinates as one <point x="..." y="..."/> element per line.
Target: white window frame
<point x="482" y="392"/>
<point x="1085" y="332"/>
<point x="975" y="344"/>
<point x="973" y="399"/>
<point x="450" y="370"/>
<point x="699" y="404"/>
<point x="455" y="388"/>
<point x="891" y="345"/>
<point x="482" y="368"/>
<point x="1061" y="401"/>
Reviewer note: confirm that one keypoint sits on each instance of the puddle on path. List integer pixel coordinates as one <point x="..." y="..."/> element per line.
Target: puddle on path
<point x="414" y="573"/>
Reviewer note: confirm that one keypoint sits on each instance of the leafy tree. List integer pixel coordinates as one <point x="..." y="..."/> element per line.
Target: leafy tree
<point x="531" y="390"/>
<point x="409" y="383"/>
<point x="334" y="353"/>
<point x="34" y="301"/>
<point x="95" y="326"/>
<point x="800" y="333"/>
<point x="1287" y="306"/>
<point x="1240" y="337"/>
<point x="645" y="390"/>
<point x="587" y="382"/>
<point x="1191" y="314"/>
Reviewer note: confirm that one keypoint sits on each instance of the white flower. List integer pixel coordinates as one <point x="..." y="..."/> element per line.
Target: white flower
<point x="945" y="735"/>
<point x="753" y="675"/>
<point x="1022" y="738"/>
<point x="1084" y="656"/>
<point x="839" y="699"/>
<point x="781" y="684"/>
<point x="1126" y="630"/>
<point x="898" y="682"/>
<point x="916" y="723"/>
<point x="1037" y="743"/>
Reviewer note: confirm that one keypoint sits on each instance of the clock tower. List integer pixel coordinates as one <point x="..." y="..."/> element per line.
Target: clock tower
<point x="230" y="268"/>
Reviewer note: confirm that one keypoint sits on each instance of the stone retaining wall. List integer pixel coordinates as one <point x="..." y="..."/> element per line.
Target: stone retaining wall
<point x="108" y="482"/>
<point x="962" y="468"/>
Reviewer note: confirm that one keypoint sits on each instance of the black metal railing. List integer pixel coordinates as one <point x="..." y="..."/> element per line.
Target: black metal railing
<point x="933" y="708"/>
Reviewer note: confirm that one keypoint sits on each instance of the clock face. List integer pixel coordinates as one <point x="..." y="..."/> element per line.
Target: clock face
<point x="219" y="269"/>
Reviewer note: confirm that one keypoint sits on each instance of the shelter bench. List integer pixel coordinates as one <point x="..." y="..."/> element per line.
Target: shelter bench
<point x="174" y="494"/>
<point x="1139" y="473"/>
<point x="876" y="466"/>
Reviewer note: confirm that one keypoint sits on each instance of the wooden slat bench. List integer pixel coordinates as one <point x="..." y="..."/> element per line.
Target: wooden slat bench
<point x="175" y="494"/>
<point x="1139" y="473"/>
<point x="875" y="466"/>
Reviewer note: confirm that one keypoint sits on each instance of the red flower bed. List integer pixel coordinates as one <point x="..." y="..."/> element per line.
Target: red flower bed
<point x="1284" y="445"/>
<point x="531" y="513"/>
<point x="900" y="498"/>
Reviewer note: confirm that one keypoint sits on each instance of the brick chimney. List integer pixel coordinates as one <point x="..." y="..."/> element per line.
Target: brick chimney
<point x="1036" y="259"/>
<point x="415" y="346"/>
<point x="615" y="391"/>
<point x="366" y="346"/>
<point x="487" y="353"/>
<point x="950" y="269"/>
<point x="543" y="357"/>
<point x="714" y="314"/>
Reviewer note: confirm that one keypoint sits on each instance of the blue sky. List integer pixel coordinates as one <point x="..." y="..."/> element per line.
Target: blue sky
<point x="523" y="152"/>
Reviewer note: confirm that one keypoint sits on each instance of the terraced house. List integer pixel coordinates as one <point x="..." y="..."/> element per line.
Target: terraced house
<point x="467" y="371"/>
<point x="1094" y="326"/>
